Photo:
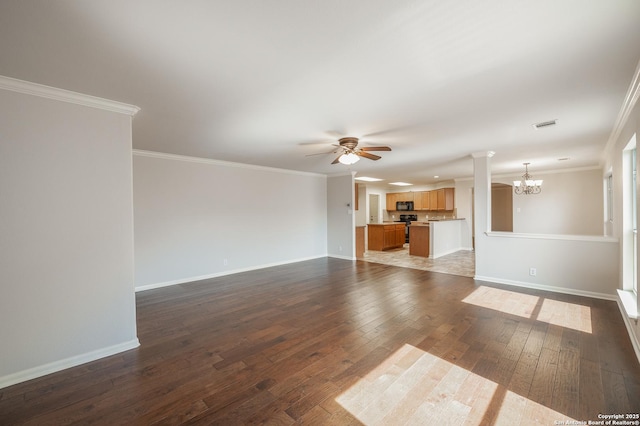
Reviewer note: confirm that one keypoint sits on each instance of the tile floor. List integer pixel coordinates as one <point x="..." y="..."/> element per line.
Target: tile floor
<point x="459" y="263"/>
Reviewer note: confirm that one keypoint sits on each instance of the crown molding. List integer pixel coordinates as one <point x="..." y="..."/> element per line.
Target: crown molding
<point x="176" y="157"/>
<point x="35" y="89"/>
<point x="630" y="100"/>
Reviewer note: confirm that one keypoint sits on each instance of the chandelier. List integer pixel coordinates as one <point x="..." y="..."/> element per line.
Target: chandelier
<point x="527" y="185"/>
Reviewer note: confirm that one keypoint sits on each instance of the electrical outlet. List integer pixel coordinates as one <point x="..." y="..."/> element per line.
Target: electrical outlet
<point x="225" y="262"/>
<point x="340" y="248"/>
<point x="532" y="272"/>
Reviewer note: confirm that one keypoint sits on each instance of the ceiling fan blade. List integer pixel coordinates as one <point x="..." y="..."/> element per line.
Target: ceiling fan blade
<point x="375" y="148"/>
<point x="367" y="155"/>
<point x="321" y="153"/>
<point x="337" y="160"/>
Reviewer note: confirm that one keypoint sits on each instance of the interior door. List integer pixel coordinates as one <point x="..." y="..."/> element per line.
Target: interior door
<point x="374" y="208"/>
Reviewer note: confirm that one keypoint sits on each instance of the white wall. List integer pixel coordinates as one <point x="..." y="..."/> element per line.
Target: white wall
<point x="66" y="251"/>
<point x="570" y="203"/>
<point x="198" y="218"/>
<point x="575" y="265"/>
<point x="341" y="217"/>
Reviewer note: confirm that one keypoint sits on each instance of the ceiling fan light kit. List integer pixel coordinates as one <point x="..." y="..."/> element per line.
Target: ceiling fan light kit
<point x="349" y="158"/>
<point x="351" y="153"/>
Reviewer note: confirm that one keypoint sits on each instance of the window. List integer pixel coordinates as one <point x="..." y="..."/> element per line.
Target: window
<point x="629" y="218"/>
<point x="629" y="292"/>
<point x="610" y="198"/>
<point x="634" y="218"/>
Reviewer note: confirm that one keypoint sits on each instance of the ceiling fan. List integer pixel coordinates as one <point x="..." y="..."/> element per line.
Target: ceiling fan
<point x="350" y="153"/>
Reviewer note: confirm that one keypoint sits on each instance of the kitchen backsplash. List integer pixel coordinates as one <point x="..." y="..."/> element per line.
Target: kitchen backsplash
<point x="422" y="215"/>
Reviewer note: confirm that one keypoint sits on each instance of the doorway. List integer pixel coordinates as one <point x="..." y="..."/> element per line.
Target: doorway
<point x="501" y="207"/>
<point x="374" y="208"/>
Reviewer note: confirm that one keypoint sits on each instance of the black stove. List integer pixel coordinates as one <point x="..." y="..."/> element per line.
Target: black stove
<point x="407" y="219"/>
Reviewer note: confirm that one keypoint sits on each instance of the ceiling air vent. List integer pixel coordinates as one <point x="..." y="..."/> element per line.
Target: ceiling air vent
<point x="545" y="124"/>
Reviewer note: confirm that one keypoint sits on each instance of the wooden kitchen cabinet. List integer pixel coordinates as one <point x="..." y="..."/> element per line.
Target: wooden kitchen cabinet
<point x="445" y="199"/>
<point x="359" y="242"/>
<point x="433" y="200"/>
<point x="394" y="197"/>
<point x="439" y="199"/>
<point x="391" y="201"/>
<point x="424" y="197"/>
<point x="419" y="240"/>
<point x="385" y="236"/>
<point x="404" y="196"/>
<point x="417" y="201"/>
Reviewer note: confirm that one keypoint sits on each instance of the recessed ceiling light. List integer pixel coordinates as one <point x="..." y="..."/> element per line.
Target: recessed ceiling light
<point x="368" y="179"/>
<point x="545" y="124"/>
<point x="400" y="183"/>
<point x="436" y="177"/>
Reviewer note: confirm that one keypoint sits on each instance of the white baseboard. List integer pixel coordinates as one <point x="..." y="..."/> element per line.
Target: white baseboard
<point x="544" y="287"/>
<point x="52" y="367"/>
<point x="221" y="274"/>
<point x="336" y="256"/>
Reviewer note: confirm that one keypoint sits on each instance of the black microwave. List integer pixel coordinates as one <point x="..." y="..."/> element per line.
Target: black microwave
<point x="404" y="206"/>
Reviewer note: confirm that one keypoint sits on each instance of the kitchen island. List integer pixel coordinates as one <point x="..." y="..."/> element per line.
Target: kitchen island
<point x="385" y="236"/>
<point x="419" y="243"/>
<point x="436" y="238"/>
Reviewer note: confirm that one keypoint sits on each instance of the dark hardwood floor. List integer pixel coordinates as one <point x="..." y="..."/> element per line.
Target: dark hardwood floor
<point x="330" y="341"/>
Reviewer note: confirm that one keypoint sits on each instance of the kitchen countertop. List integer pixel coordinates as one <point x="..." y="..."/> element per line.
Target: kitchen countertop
<point x="414" y="222"/>
<point x="427" y="223"/>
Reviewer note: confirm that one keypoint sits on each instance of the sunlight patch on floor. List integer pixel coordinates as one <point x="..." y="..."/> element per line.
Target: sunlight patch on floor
<point x="414" y="387"/>
<point x="509" y="302"/>
<point x="569" y="315"/>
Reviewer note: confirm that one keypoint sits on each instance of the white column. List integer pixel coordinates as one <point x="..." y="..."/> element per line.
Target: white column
<point x="481" y="205"/>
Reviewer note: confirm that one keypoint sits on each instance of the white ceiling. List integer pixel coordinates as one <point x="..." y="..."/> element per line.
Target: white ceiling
<point x="267" y="82"/>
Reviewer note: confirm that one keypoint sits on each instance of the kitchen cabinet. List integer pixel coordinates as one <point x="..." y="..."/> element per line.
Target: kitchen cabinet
<point x="394" y="197"/>
<point x="359" y="242"/>
<point x="385" y="236"/>
<point x="417" y="201"/>
<point x="404" y="196"/>
<point x="391" y="201"/>
<point x="439" y="199"/>
<point x="433" y="200"/>
<point x="445" y="199"/>
<point x="424" y="198"/>
<point x="419" y="240"/>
